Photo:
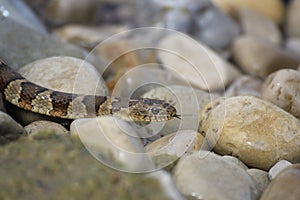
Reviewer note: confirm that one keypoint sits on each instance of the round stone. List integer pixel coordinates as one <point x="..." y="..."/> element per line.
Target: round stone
<point x="278" y="167"/>
<point x="282" y="89"/>
<point x="293" y="17"/>
<point x="285" y="185"/>
<point x="65" y="74"/>
<point x="263" y="7"/>
<point x="258" y="25"/>
<point x="113" y="142"/>
<point x="261" y="179"/>
<point x="196" y="63"/>
<point x="256" y="131"/>
<point x="245" y="85"/>
<point x="10" y="129"/>
<point x="169" y="148"/>
<point x="39" y="128"/>
<point x="260" y="57"/>
<point x="205" y="175"/>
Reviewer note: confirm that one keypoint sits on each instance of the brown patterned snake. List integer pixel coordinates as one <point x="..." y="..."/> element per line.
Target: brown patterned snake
<point x="29" y="96"/>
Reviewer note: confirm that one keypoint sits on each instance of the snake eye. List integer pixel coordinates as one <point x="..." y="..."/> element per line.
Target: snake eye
<point x="155" y="110"/>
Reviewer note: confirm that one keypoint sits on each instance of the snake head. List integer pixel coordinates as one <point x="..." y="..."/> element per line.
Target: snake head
<point x="149" y="110"/>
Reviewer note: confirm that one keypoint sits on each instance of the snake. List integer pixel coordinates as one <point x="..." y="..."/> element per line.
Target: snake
<point x="27" y="95"/>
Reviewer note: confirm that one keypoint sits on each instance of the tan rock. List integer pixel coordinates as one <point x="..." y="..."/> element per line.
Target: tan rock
<point x="87" y="36"/>
<point x="65" y="74"/>
<point x="285" y="185"/>
<point x="256" y="131"/>
<point x="293" y="17"/>
<point x="195" y="62"/>
<point x="263" y="7"/>
<point x="283" y="89"/>
<point x="261" y="58"/>
<point x="122" y="54"/>
<point x="38" y="128"/>
<point x="257" y="25"/>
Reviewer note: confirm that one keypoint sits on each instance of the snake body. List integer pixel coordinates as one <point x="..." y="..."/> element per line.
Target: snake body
<point x="32" y="97"/>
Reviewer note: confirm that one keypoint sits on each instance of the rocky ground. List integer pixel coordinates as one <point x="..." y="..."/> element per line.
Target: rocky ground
<point x="229" y="67"/>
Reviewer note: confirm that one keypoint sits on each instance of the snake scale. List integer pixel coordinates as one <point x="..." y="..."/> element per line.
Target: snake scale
<point x="32" y="97"/>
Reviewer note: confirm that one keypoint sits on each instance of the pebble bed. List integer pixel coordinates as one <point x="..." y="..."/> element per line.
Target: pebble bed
<point x="229" y="67"/>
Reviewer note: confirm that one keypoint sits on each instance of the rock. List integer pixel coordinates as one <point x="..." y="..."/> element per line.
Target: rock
<point x="201" y="19"/>
<point x="276" y="13"/>
<point x="282" y="89"/>
<point x="260" y="178"/>
<point x="59" y="12"/>
<point x="204" y="175"/>
<point x="87" y="36"/>
<point x="122" y="55"/>
<point x="245" y="85"/>
<point x="292" y="46"/>
<point x="257" y="25"/>
<point x="44" y="128"/>
<point x="235" y="161"/>
<point x="261" y="57"/>
<point x="168" y="149"/>
<point x="196" y="63"/>
<point x="188" y="103"/>
<point x="2" y="108"/>
<point x="167" y="184"/>
<point x="293" y="17"/>
<point x="9" y="129"/>
<point x="113" y="142"/>
<point x="285" y="185"/>
<point x="211" y="26"/>
<point x="178" y="19"/>
<point x="61" y="168"/>
<point x="278" y="167"/>
<point x="65" y="74"/>
<point x="257" y="132"/>
<point x="21" y="45"/>
<point x="19" y="12"/>
<point x="141" y="79"/>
